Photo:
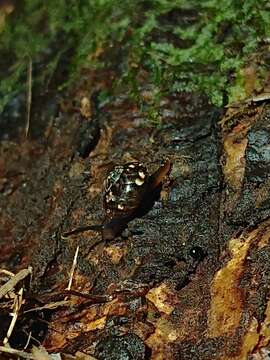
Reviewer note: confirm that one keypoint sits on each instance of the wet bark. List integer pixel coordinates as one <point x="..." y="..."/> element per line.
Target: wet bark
<point x="189" y="279"/>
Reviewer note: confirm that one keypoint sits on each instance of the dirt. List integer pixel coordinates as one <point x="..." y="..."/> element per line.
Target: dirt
<point x="189" y="279"/>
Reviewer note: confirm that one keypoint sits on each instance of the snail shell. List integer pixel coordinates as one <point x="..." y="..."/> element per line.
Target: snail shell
<point x="123" y="188"/>
<point x="128" y="191"/>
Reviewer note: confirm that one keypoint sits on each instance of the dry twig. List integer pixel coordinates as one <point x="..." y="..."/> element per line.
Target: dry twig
<point x="16" y="308"/>
<point x="51" y="306"/>
<point x="8" y="286"/>
<point x="28" y="340"/>
<point x="6" y="272"/>
<point x="73" y="268"/>
<point x="22" y="354"/>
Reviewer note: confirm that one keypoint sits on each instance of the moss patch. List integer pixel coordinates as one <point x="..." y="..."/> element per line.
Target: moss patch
<point x="175" y="45"/>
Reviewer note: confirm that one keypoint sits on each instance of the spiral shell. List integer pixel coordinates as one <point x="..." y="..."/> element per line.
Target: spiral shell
<point x="128" y="191"/>
<point x="123" y="188"/>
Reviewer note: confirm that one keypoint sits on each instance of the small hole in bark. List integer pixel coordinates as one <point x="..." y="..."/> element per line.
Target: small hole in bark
<point x="197" y="253"/>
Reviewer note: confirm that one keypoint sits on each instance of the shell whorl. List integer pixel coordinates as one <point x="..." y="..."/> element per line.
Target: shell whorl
<point x="124" y="188"/>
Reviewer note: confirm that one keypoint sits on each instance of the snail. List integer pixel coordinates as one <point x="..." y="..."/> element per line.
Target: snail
<point x="129" y="192"/>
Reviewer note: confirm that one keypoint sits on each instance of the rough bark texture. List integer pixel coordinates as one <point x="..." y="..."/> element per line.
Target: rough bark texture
<point x="188" y="280"/>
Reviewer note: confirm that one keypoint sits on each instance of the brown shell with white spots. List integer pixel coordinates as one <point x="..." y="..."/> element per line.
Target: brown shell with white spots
<point x="123" y="188"/>
<point x="128" y="191"/>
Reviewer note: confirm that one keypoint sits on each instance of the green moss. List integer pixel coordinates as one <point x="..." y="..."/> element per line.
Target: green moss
<point x="181" y="45"/>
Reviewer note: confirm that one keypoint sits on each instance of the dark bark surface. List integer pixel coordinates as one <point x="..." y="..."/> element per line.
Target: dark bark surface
<point x="190" y="278"/>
